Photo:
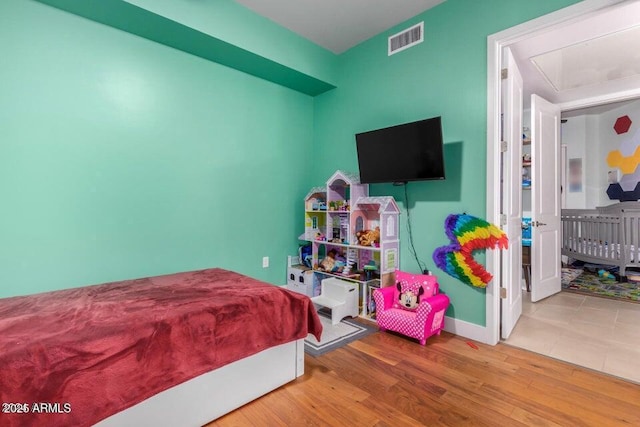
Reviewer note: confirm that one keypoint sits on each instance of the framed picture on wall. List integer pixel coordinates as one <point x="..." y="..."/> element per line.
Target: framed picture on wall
<point x="575" y="175"/>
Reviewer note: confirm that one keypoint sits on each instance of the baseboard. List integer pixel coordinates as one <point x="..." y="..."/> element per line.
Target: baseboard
<point x="466" y="329"/>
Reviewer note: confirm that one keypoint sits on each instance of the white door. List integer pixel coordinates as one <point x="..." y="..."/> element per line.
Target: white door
<point x="511" y="305"/>
<point x="545" y="199"/>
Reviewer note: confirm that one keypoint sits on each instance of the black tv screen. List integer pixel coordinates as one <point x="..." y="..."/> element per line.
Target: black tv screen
<point x="408" y="152"/>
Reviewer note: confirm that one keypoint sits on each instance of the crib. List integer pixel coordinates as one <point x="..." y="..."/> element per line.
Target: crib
<point x="608" y="235"/>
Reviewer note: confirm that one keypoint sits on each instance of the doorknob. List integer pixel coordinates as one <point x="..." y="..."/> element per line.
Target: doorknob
<point x="537" y="223"/>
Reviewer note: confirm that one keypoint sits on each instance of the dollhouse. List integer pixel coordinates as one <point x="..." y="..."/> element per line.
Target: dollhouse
<point x="314" y="215"/>
<point x="357" y="233"/>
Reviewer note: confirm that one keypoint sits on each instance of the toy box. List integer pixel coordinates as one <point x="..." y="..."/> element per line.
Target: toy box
<point x="299" y="277"/>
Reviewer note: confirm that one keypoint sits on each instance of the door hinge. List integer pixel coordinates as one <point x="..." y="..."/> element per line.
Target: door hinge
<point x="503" y="219"/>
<point x="503" y="293"/>
<point x="504" y="73"/>
<point x="503" y="146"/>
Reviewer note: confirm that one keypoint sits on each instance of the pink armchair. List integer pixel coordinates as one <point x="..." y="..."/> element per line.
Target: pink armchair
<point x="425" y="320"/>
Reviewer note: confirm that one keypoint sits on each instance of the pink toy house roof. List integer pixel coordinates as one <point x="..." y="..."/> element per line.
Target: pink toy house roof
<point x="316" y="190"/>
<point x="384" y="204"/>
<point x="347" y="177"/>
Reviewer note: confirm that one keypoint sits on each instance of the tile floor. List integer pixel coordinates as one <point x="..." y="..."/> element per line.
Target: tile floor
<point x="598" y="333"/>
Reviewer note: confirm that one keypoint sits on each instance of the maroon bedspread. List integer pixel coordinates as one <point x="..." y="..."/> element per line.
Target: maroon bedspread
<point x="76" y="356"/>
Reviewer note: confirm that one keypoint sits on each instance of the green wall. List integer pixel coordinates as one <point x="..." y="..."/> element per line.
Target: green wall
<point x="123" y="158"/>
<point x="222" y="32"/>
<point x="235" y="24"/>
<point x="444" y="76"/>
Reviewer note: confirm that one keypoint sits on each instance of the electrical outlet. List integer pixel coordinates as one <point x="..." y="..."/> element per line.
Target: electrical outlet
<point x="265" y="261"/>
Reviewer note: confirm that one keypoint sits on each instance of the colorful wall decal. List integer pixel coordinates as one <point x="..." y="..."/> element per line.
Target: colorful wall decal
<point x="622" y="125"/>
<point x="627" y="164"/>
<point x="467" y="234"/>
<point x="627" y="160"/>
<point x="616" y="192"/>
<point x="629" y="142"/>
<point x="628" y="182"/>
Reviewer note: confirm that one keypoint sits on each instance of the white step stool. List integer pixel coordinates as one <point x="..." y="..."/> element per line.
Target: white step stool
<point x="340" y="296"/>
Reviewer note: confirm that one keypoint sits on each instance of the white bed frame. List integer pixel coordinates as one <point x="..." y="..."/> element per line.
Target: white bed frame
<point x="608" y="235"/>
<point x="209" y="396"/>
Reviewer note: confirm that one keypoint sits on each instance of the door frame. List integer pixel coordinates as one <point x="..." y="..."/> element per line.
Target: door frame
<point x="512" y="102"/>
<point x="495" y="44"/>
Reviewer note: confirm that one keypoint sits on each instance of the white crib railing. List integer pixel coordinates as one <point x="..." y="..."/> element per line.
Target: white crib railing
<point x="607" y="235"/>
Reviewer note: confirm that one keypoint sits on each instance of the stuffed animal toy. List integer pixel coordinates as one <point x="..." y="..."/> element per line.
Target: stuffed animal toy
<point x="363" y="237"/>
<point x="376" y="235"/>
<point x="333" y="262"/>
<point x="368" y="237"/>
<point x="327" y="263"/>
<point x="408" y="299"/>
<point x="606" y="276"/>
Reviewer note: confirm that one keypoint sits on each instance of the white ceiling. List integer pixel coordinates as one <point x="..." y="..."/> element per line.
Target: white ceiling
<point x="587" y="58"/>
<point x="607" y="58"/>
<point x="338" y="25"/>
<point x="598" y="109"/>
<point x="581" y="57"/>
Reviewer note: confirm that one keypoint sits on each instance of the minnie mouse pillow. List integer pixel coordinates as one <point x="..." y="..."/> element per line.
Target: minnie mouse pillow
<point x="412" y="288"/>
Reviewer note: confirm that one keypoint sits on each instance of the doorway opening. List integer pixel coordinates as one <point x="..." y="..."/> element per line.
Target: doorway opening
<point x="575" y="25"/>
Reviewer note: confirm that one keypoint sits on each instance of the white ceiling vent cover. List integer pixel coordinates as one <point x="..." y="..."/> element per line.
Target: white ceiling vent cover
<point x="407" y="38"/>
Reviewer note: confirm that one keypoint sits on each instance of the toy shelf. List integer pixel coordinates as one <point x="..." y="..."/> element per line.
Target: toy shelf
<point x="359" y="279"/>
<point x="365" y="293"/>
<point x="343" y="245"/>
<point x="342" y="216"/>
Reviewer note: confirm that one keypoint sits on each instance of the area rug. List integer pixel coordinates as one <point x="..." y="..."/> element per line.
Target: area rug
<point x="336" y="336"/>
<point x="588" y="283"/>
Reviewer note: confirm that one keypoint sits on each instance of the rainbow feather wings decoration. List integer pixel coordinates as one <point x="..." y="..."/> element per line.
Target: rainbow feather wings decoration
<point x="467" y="234"/>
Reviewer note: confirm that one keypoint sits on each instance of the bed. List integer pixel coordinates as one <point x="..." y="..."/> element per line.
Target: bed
<point x="179" y="349"/>
<point x="608" y="235"/>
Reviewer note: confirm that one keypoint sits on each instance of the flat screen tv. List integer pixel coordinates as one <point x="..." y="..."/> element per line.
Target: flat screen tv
<point x="408" y="152"/>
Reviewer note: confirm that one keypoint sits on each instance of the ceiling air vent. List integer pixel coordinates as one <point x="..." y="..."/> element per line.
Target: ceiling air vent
<point x="407" y="38"/>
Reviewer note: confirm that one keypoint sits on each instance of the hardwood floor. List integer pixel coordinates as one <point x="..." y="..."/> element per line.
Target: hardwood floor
<point x="388" y="380"/>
